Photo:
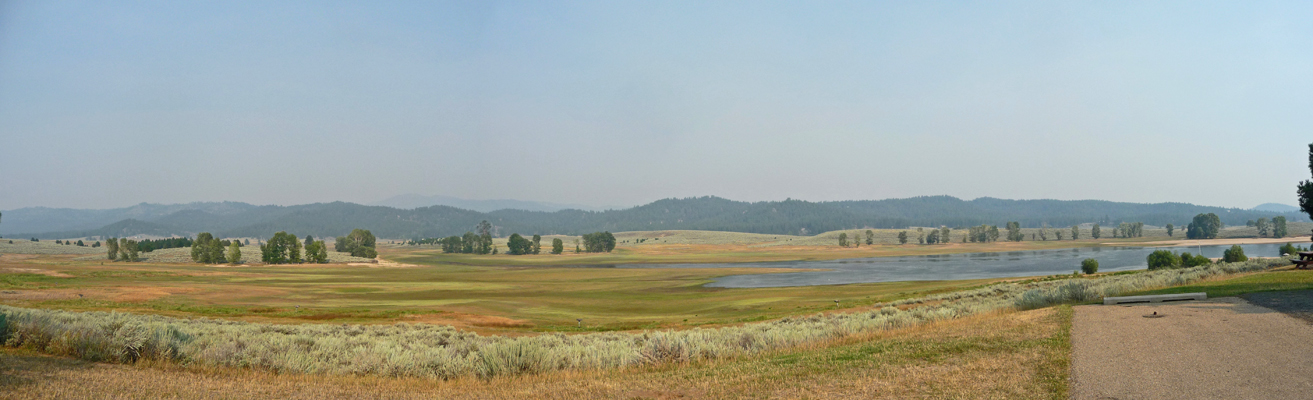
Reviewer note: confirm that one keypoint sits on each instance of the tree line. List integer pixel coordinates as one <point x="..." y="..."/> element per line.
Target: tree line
<point x="704" y="213"/>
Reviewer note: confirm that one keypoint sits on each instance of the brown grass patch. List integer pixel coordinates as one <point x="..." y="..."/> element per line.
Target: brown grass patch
<point x="464" y="320"/>
<point x="38" y="271"/>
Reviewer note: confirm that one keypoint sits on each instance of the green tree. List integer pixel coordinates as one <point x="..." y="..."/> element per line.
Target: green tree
<point x="1170" y="228"/>
<point x="282" y="248"/>
<point x="1204" y="226"/>
<point x="200" y="248"/>
<point x="1094" y="232"/>
<point x="112" y="249"/>
<point x="1262" y="226"/>
<point x="1305" y="188"/>
<point x="870" y="237"/>
<point x="234" y="253"/>
<point x="1075" y="232"/>
<point x="843" y="240"/>
<point x="558" y="246"/>
<point x="944" y="234"/>
<point x="1058" y="233"/>
<point x="993" y="233"/>
<point x="1234" y="254"/>
<point x="215" y="250"/>
<point x="360" y="243"/>
<point x="517" y="245"/>
<point x="932" y="237"/>
<point x="537" y="243"/>
<point x="1089" y="266"/>
<point x="1160" y="259"/>
<point x="316" y="252"/>
<point x="598" y="242"/>
<point x="902" y="237"/>
<point x="294" y="251"/>
<point x="1279" y="228"/>
<point x="128" y="250"/>
<point x="309" y="240"/>
<point x="1014" y="232"/>
<point x="1043" y="233"/>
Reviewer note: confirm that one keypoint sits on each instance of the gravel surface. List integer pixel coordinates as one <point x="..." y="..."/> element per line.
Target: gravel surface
<point x="1224" y="348"/>
<point x="1295" y="303"/>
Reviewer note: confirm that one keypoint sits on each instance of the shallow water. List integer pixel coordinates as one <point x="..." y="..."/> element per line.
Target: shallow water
<point x="952" y="266"/>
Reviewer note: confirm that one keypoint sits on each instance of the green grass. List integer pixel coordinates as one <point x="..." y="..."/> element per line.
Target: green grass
<point x="1257" y="282"/>
<point x="546" y="299"/>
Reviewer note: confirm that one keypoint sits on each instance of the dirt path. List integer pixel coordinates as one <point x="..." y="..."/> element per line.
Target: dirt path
<point x="1223" y="348"/>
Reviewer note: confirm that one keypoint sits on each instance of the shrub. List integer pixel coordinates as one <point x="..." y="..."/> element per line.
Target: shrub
<point x="1160" y="259"/>
<point x="1234" y="254"/>
<point x="1089" y="266"/>
<point x="1188" y="260"/>
<point x="1290" y="250"/>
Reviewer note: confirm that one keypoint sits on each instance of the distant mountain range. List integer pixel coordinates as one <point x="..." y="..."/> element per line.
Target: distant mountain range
<point x="413" y="201"/>
<point x="1275" y="207"/>
<point x="231" y="219"/>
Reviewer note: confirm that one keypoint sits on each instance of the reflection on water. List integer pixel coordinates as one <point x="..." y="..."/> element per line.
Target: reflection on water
<point x="950" y="266"/>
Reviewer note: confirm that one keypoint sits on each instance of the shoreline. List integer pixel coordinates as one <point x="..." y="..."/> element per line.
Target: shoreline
<point x="1219" y="242"/>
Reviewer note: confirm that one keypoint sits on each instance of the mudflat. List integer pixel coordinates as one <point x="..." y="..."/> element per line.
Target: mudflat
<point x="1219" y="348"/>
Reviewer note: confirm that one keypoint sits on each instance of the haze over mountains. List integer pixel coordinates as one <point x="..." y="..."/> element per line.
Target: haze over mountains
<point x="234" y="219"/>
<point x="413" y="201"/>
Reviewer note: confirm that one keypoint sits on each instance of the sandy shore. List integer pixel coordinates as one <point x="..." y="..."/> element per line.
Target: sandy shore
<point x="1300" y="240"/>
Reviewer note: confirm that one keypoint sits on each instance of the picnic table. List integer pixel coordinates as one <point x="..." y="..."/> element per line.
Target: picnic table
<point x="1305" y="259"/>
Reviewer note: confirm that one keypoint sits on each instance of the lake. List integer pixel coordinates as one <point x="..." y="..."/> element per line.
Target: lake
<point x="952" y="266"/>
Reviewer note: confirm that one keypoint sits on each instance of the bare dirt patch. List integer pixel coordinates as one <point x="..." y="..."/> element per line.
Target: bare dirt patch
<point x="38" y="271"/>
<point x="1224" y="348"/>
<point x="381" y="263"/>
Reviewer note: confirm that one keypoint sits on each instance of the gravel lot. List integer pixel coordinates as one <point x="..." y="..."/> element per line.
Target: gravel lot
<point x="1224" y="348"/>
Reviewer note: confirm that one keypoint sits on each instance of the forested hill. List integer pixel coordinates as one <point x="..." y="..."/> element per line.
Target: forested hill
<point x="702" y="213"/>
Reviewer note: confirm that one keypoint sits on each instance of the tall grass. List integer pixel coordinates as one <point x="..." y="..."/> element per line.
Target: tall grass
<point x="423" y="350"/>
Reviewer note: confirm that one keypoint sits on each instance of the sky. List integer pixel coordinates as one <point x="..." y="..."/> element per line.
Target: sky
<point x="108" y="104"/>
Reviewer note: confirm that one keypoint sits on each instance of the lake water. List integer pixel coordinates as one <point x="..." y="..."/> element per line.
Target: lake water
<point x="952" y="266"/>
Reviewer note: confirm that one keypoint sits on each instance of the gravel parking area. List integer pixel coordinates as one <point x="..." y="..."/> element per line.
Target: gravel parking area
<point x="1224" y="348"/>
<point x="1297" y="303"/>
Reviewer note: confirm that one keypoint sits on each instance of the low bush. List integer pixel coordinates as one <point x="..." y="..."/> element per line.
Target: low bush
<point x="1089" y="266"/>
<point x="1234" y="254"/>
<point x="1188" y="260"/>
<point x="1160" y="259"/>
<point x="1290" y="250"/>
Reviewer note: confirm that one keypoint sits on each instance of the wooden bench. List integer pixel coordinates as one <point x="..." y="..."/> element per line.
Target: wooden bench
<point x="1302" y="264"/>
<point x="1156" y="298"/>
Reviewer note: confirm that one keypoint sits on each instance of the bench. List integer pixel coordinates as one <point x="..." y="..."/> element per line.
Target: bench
<point x="1302" y="264"/>
<point x="1155" y="298"/>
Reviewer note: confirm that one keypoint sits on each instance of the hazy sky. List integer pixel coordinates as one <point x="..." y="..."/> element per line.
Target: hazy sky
<point x="107" y="104"/>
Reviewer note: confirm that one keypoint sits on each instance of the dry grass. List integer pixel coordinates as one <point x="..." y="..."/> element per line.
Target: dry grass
<point x="997" y="355"/>
<point x="25" y="246"/>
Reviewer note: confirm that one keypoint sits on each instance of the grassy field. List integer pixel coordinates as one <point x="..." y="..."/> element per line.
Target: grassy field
<point x="497" y="299"/>
<point x="1285" y="279"/>
<point x="1018" y="355"/>
<point x="1003" y="354"/>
